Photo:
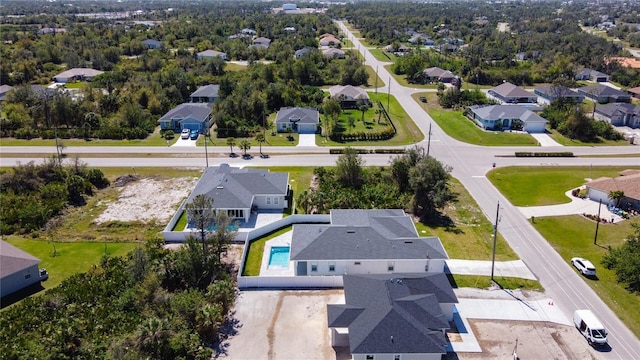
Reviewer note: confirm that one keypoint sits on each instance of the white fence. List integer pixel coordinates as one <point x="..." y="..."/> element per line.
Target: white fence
<point x="290" y="282"/>
<point x="175" y="236"/>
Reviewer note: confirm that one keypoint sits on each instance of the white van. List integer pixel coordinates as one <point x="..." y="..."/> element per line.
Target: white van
<point x="590" y="327"/>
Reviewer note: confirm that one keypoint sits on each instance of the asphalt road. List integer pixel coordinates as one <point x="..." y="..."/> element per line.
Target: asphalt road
<point x="470" y="164"/>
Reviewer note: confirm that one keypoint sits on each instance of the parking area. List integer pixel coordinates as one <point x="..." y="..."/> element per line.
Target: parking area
<point x="276" y="324"/>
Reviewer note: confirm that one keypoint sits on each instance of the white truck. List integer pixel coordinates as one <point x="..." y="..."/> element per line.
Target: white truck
<point x="590" y="327"/>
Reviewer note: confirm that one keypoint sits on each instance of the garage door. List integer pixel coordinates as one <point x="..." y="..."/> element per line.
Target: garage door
<point x="306" y="128"/>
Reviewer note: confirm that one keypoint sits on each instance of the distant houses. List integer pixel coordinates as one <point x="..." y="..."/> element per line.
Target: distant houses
<point x="436" y="74"/>
<point x="261" y="42"/>
<point x="211" y="54"/>
<point x="554" y="92"/>
<point x="152" y="44"/>
<point x="329" y="40"/>
<point x="205" y="94"/>
<point x="512" y="94"/>
<point x="334" y="53"/>
<point x="77" y="74"/>
<point x="619" y="114"/>
<point x="592" y="75"/>
<point x="603" y="94"/>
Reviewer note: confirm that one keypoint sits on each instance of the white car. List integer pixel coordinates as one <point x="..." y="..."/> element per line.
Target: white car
<point x="584" y="266"/>
<point x="184" y="134"/>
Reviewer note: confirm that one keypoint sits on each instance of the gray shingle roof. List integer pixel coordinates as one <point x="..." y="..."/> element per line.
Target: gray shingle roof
<point x="13" y="259"/>
<point x="306" y="115"/>
<point x="206" y="91"/>
<point x="618" y="109"/>
<point x="554" y="91"/>
<point x="151" y="42"/>
<point x="602" y="90"/>
<point x="352" y="237"/>
<point x="349" y="91"/>
<point x="509" y="90"/>
<point x="197" y="111"/>
<point x="495" y="112"/>
<point x="211" y="53"/>
<point x="438" y="72"/>
<point x="79" y="72"/>
<point x="235" y="188"/>
<point x="394" y="313"/>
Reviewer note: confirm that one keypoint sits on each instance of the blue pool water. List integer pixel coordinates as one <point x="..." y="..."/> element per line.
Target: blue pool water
<point x="279" y="256"/>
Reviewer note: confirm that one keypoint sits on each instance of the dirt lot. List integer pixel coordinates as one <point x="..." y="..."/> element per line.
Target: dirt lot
<point x="535" y="340"/>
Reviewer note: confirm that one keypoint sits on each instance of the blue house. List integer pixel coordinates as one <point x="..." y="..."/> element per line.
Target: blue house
<point x="152" y="44"/>
<point x="187" y="116"/>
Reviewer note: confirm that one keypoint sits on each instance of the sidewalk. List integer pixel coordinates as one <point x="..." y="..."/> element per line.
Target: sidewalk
<point x="576" y="206"/>
<point x="515" y="268"/>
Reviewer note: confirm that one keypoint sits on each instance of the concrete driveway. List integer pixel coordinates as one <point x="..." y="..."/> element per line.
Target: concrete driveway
<point x="184" y="142"/>
<point x="275" y="324"/>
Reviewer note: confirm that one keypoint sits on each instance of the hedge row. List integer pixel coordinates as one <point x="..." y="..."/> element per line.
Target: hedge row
<point x="544" y="154"/>
<point x="103" y="133"/>
<point x="367" y="151"/>
<point x="385" y="134"/>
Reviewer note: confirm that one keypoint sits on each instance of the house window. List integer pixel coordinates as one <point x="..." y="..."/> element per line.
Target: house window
<point x="426" y="267"/>
<point x="369" y="357"/>
<point x="275" y="201"/>
<point x="268" y="201"/>
<point x="27" y="274"/>
<point x="356" y="263"/>
<point x="396" y="357"/>
<point x="332" y="266"/>
<point x="314" y="267"/>
<point x="390" y="265"/>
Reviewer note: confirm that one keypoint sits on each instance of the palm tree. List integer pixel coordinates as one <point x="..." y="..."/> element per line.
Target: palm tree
<point x="245" y="145"/>
<point x="231" y="141"/>
<point x="617" y="196"/>
<point x="260" y="139"/>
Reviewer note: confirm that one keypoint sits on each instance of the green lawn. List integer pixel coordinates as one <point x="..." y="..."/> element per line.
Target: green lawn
<point x="461" y="128"/>
<point x="484" y="282"/>
<point x="407" y="131"/>
<point x="565" y="141"/>
<point x="382" y="55"/>
<point x="71" y="257"/>
<point x="521" y="185"/>
<point x="374" y="80"/>
<point x="573" y="236"/>
<point x="469" y="234"/>
<point x="402" y="79"/>
<point x="256" y="248"/>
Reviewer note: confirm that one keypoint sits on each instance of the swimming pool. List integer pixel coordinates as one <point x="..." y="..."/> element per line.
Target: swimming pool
<point x="279" y="257"/>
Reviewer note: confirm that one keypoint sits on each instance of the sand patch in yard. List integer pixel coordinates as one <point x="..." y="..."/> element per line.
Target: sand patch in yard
<point x="148" y="200"/>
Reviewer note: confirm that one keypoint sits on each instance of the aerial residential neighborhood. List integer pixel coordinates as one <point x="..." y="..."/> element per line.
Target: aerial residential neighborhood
<point x="417" y="180"/>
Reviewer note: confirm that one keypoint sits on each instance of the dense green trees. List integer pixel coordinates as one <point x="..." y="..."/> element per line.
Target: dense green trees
<point x="155" y="304"/>
<point x="32" y="194"/>
<point x="414" y="182"/>
<point x="625" y="261"/>
<point x="571" y="121"/>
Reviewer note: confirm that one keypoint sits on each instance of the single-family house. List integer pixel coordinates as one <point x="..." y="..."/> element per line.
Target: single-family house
<point x="50" y="30"/>
<point x="592" y="75"/>
<point x="248" y="32"/>
<point x="507" y="117"/>
<point x="628" y="182"/>
<point x="238" y="191"/>
<point x="329" y="40"/>
<point x="603" y="94"/>
<point x="349" y="96"/>
<point x="261" y="42"/>
<point x="4" y="89"/>
<point x="192" y="116"/>
<point x="211" y="54"/>
<point x="553" y="92"/>
<point x="300" y="53"/>
<point x="382" y="241"/>
<point x="401" y="49"/>
<point x="512" y="94"/>
<point x="333" y="53"/>
<point x="152" y="44"/>
<point x="434" y="74"/>
<point x="299" y="120"/>
<point x="205" y="94"/>
<point x="619" y="114"/>
<point x="635" y="92"/>
<point x="421" y="39"/>
<point x="79" y="74"/>
<point x="18" y="269"/>
<point x="291" y="29"/>
<point x="393" y="316"/>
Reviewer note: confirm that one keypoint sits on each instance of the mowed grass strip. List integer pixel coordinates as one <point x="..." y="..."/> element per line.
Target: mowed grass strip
<point x="484" y="282"/>
<point x="71" y="257"/>
<point x="253" y="260"/>
<point x="537" y="186"/>
<point x="459" y="127"/>
<point x="573" y="236"/>
<point x="469" y="235"/>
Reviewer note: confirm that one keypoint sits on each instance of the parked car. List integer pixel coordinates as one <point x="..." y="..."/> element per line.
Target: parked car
<point x="584" y="266"/>
<point x="423" y="99"/>
<point x="194" y="135"/>
<point x="590" y="327"/>
<point x="184" y="134"/>
<point x="44" y="275"/>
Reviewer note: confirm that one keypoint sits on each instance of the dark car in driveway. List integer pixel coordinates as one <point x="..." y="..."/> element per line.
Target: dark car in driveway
<point x="193" y="135"/>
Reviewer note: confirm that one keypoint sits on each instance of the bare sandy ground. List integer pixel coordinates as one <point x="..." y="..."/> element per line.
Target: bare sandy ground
<point x="148" y="200"/>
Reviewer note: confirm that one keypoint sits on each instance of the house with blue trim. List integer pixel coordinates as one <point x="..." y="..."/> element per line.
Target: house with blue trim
<point x="507" y="117"/>
<point x="192" y="116"/>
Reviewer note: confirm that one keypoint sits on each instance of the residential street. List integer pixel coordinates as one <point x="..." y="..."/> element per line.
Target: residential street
<point x="470" y="164"/>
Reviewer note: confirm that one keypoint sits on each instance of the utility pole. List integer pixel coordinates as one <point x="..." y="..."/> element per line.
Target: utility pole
<point x="389" y="95"/>
<point x="376" y="87"/>
<point x="429" y="140"/>
<point x="206" y="151"/>
<point x="495" y="238"/>
<point x="595" y="238"/>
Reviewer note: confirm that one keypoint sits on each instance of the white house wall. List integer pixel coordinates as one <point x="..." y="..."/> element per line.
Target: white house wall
<point x="597" y="195"/>
<point x="16" y="281"/>
<point x="261" y="202"/>
<point x="436" y="356"/>
<point x="375" y="266"/>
